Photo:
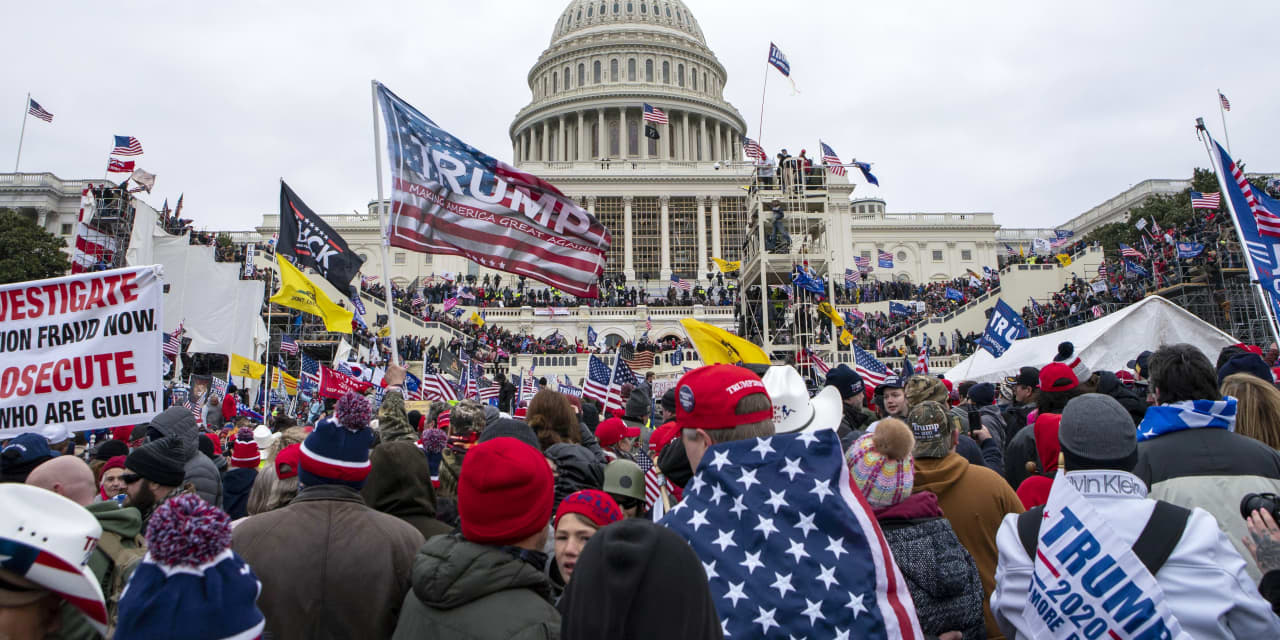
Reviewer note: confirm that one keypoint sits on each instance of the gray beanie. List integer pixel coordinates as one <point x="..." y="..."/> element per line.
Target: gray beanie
<point x="1096" y="428"/>
<point x="508" y="428"/>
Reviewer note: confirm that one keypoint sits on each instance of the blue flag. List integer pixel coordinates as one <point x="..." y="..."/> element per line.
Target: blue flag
<point x="1190" y="249"/>
<point x="411" y="382"/>
<point x="865" y="168"/>
<point x="1134" y="268"/>
<point x="1063" y="233"/>
<point x="591" y="335"/>
<point x="954" y="294"/>
<point x="1004" y="326"/>
<point x="900" y="309"/>
<point x="810" y="283"/>
<point x="1258" y="218"/>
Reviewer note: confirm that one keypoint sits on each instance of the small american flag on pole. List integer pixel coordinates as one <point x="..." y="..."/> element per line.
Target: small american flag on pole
<point x="862" y="262"/>
<point x="38" y="111"/>
<point x="681" y="283"/>
<point x="288" y="345"/>
<point x="1206" y="200"/>
<point x="1097" y="311"/>
<point x="127" y="146"/>
<point x="1129" y="252"/>
<point x="173" y="344"/>
<point x="368" y="280"/>
<point x="1102" y="270"/>
<point x="753" y="150"/>
<point x="817" y="362"/>
<point x="873" y="371"/>
<point x="654" y="114"/>
<point x="852" y="276"/>
<point x="830" y="159"/>
<point x="1226" y="104"/>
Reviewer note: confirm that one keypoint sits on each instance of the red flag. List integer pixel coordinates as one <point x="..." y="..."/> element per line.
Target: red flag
<point x="336" y="385"/>
<point x="119" y="166"/>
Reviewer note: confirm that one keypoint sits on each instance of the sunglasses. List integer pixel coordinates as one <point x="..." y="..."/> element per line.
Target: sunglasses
<point x="130" y="478"/>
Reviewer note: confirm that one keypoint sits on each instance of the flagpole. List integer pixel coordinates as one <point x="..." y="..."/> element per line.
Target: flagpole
<point x="1226" y="134"/>
<point x="266" y="372"/>
<point x="760" y="126"/>
<point x="1235" y="222"/>
<point x="382" y="223"/>
<point x="26" y="110"/>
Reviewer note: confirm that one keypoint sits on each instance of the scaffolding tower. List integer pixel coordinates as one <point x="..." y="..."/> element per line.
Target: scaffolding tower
<point x="106" y="232"/>
<point x="788" y="232"/>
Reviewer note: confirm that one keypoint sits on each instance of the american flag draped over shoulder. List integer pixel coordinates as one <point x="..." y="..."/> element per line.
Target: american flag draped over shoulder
<point x="830" y="159"/>
<point x="790" y="550"/>
<point x="873" y="371"/>
<point x="484" y="209"/>
<point x="38" y="111"/>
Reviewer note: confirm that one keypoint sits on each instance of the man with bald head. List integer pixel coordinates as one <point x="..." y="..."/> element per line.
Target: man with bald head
<point x="121" y="545"/>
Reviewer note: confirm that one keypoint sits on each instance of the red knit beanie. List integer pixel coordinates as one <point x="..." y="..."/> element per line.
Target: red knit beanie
<point x="592" y="504"/>
<point x="244" y="452"/>
<point x="505" y="492"/>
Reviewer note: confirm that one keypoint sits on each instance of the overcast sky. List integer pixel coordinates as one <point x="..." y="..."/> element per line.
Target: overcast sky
<point x="1036" y="113"/>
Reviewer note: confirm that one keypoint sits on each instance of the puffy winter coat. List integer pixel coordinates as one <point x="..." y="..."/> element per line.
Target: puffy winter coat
<point x="939" y="571"/>
<point x="466" y="591"/>
<point x="576" y="469"/>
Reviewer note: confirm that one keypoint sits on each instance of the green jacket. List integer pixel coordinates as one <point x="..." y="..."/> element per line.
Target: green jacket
<point x="123" y="525"/>
<point x="466" y="591"/>
<point x="393" y="422"/>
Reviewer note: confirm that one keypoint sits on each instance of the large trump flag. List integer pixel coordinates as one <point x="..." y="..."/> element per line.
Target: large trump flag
<point x="448" y="197"/>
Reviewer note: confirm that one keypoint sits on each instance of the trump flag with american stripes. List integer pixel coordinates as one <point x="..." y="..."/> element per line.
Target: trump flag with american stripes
<point x="450" y="198"/>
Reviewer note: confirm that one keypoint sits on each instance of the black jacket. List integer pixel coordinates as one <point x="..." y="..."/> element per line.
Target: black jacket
<point x="236" y="485"/>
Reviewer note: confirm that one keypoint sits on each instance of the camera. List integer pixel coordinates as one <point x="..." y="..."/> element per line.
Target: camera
<point x="1260" y="502"/>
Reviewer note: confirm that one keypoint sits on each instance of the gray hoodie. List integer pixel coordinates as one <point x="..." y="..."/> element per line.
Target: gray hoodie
<point x="178" y="423"/>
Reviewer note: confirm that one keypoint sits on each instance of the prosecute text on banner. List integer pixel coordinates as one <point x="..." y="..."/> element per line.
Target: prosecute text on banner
<point x="82" y="351"/>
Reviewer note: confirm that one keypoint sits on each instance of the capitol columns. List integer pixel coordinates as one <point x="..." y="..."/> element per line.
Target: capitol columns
<point x="546" y="136"/>
<point x="600" y="135"/>
<point x="719" y="148"/>
<point x="624" y="148"/>
<point x="704" y="145"/>
<point x="700" y="261"/>
<point x="591" y="205"/>
<point x="715" y="227"/>
<point x="628" y="260"/>
<point x="685" y="142"/>
<point x="664" y="143"/>
<point x="562" y="142"/>
<point x="664" y="230"/>
<point x="582" y="137"/>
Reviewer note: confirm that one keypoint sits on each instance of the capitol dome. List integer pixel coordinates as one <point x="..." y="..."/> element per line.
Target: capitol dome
<point x="605" y="61"/>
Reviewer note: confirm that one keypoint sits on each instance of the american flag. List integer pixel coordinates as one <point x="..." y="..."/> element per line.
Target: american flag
<point x="681" y="283"/>
<point x="1268" y="222"/>
<point x="852" y="276"/>
<point x="654" y="114"/>
<point x="368" y="280"/>
<point x="442" y="419"/>
<point x="173" y="344"/>
<point x="597" y="383"/>
<point x="783" y="506"/>
<point x="640" y="360"/>
<point x="830" y="159"/>
<point x="922" y="361"/>
<point x="652" y="483"/>
<point x="528" y="385"/>
<point x="753" y="150"/>
<point x="862" y="262"/>
<point x="127" y="146"/>
<point x="1097" y="311"/>
<point x="469" y="387"/>
<point x="621" y="375"/>
<point x="885" y="259"/>
<point x="1010" y="250"/>
<point x="431" y="217"/>
<point x="1206" y="200"/>
<point x="873" y="371"/>
<point x="417" y="297"/>
<point x="436" y="387"/>
<point x="1226" y="104"/>
<point x="1102" y="270"/>
<point x="1129" y="252"/>
<point x="38" y="111"/>
<point x="648" y="323"/>
<point x="487" y="390"/>
<point x="817" y="362"/>
<point x="310" y="372"/>
<point x="880" y="344"/>
<point x="288" y="345"/>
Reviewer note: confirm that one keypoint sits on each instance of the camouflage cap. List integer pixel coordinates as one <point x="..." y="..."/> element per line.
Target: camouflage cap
<point x="932" y="428"/>
<point x="467" y="417"/>
<point x="924" y="388"/>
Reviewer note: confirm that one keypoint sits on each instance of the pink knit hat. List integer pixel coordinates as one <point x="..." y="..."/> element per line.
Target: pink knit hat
<point x="882" y="465"/>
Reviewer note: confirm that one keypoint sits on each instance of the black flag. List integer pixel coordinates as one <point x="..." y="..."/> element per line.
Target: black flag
<point x="650" y="131"/>
<point x="311" y="242"/>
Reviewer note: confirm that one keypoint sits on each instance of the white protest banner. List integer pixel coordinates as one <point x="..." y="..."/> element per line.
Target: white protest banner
<point x="82" y="351"/>
<point x="1087" y="582"/>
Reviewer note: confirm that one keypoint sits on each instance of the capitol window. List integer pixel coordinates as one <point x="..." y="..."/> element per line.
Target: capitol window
<point x="666" y="72"/>
<point x="555" y="82"/>
<point x="582" y="74"/>
<point x="426" y="259"/>
<point x="616" y="9"/>
<point x="566" y="78"/>
<point x="399" y="258"/>
<point x="705" y="86"/>
<point x="590" y="11"/>
<point x="644" y="8"/>
<point x="937" y="255"/>
<point x="595" y="72"/>
<point x="631" y="70"/>
<point x="966" y="255"/>
<point x="579" y="16"/>
<point x="648" y="71"/>
<point x="613" y="70"/>
<point x="680" y="75"/>
<point x="693" y="77"/>
<point x="668" y="11"/>
<point x="630" y="7"/>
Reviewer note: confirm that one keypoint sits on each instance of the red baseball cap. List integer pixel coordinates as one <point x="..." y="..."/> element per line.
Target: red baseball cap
<point x="613" y="430"/>
<point x="1056" y="376"/>
<point x="707" y="397"/>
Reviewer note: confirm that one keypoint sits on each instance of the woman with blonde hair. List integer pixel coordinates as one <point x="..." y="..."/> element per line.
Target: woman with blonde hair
<point x="1257" y="407"/>
<point x="276" y="484"/>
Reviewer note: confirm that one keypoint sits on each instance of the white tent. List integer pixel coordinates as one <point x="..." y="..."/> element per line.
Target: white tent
<point x="1106" y="344"/>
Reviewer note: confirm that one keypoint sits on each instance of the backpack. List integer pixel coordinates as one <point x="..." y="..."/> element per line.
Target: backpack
<point x="1153" y="546"/>
<point x="122" y="560"/>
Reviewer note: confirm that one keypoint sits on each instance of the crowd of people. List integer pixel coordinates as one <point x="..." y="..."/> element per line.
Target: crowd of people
<point x="544" y="519"/>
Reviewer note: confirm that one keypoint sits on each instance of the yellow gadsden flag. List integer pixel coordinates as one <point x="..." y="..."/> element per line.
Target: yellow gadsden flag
<point x="717" y="346"/>
<point x="829" y="311"/>
<point x="845" y="337"/>
<point x="297" y="291"/>
<point x="1064" y="259"/>
<point x="245" y="368"/>
<point x="727" y="266"/>
<point x="476" y="319"/>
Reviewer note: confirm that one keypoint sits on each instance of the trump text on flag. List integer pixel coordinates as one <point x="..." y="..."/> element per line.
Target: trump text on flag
<point x="81" y="351"/>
